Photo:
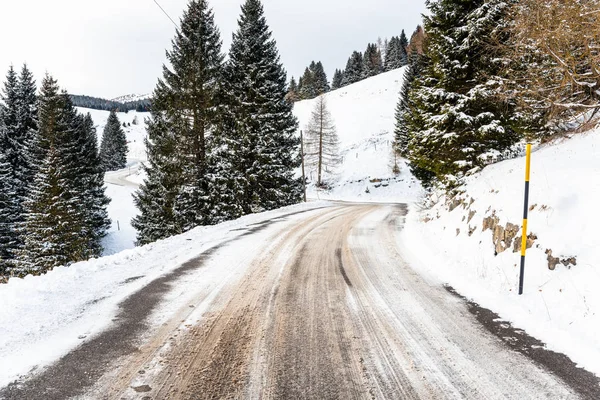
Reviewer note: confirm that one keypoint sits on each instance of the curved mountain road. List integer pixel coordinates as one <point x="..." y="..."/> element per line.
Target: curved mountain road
<point x="325" y="308"/>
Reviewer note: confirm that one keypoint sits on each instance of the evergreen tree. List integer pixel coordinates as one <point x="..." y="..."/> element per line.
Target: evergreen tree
<point x="462" y="123"/>
<point x="403" y="108"/>
<point x="113" y="150"/>
<point x="56" y="224"/>
<point x="403" y="49"/>
<point x="308" y="89"/>
<point x="91" y="186"/>
<point x="265" y="134"/>
<point x="8" y="210"/>
<point x="338" y="78"/>
<point x="372" y="64"/>
<point x="391" y="55"/>
<point x="354" y="69"/>
<point x="320" y="79"/>
<point x="176" y="194"/>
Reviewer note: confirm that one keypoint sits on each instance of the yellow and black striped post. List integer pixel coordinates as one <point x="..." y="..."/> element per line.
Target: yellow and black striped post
<point x="525" y="216"/>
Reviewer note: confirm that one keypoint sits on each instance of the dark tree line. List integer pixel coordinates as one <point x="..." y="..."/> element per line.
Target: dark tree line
<point x="376" y="59"/>
<point x="52" y="201"/>
<point x="222" y="139"/>
<point x="95" y="103"/>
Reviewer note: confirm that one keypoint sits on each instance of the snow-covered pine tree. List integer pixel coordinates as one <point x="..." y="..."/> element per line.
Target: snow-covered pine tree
<point x="354" y="69"/>
<point x="321" y="82"/>
<point x="338" y="78"/>
<point x="113" y="149"/>
<point x="55" y="227"/>
<point x="403" y="49"/>
<point x="27" y="116"/>
<point x="268" y="150"/>
<point x="175" y="196"/>
<point x="402" y="130"/>
<point x="8" y="210"/>
<point x="392" y="54"/>
<point x="372" y="64"/>
<point x="91" y="187"/>
<point x="321" y="142"/>
<point x="308" y="89"/>
<point x="463" y="122"/>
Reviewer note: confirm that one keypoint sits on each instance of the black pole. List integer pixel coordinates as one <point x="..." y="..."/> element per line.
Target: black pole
<point x="525" y="220"/>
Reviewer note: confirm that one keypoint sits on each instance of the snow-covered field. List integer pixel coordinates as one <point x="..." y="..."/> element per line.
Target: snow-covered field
<point x="560" y="307"/>
<point x="364" y="117"/>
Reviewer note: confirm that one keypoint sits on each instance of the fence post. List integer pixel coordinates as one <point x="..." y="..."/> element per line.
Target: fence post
<point x="525" y="216"/>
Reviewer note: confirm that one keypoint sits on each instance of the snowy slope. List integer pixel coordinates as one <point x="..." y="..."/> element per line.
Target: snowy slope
<point x="364" y="117"/>
<point x="560" y="307"/>
<point x="132" y="97"/>
<point x="121" y="210"/>
<point x="135" y="133"/>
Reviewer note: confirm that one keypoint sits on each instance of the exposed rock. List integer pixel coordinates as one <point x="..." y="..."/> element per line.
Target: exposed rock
<point x="552" y="261"/>
<point x="490" y="222"/>
<point x="530" y="242"/>
<point x="454" y="203"/>
<point x="472" y="230"/>
<point x="457" y="231"/>
<point x="471" y="215"/>
<point x="568" y="262"/>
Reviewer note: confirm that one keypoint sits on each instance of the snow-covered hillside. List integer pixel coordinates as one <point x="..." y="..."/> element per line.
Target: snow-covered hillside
<point x="559" y="307"/>
<point x="364" y="117"/>
<point x="132" y="97"/>
<point x="119" y="187"/>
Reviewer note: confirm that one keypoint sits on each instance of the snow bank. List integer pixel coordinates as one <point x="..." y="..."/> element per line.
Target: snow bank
<point x="560" y="307"/>
<point x="364" y="117"/>
<point x="42" y="318"/>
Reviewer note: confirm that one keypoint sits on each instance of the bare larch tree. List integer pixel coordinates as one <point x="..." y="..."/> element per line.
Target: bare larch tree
<point x="321" y="142"/>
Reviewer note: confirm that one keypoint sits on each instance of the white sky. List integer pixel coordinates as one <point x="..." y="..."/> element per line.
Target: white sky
<point x="110" y="48"/>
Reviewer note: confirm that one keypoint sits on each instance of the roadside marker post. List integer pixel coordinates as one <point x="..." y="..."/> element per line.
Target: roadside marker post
<point x="303" y="173"/>
<point x="525" y="217"/>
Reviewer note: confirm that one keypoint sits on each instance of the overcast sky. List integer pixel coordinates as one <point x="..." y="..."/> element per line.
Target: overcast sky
<point x="114" y="47"/>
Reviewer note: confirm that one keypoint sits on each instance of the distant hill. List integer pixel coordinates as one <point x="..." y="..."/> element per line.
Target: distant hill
<point x="130" y="98"/>
<point x="95" y="103"/>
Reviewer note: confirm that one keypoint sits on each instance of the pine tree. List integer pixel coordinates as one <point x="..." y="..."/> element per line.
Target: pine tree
<point x="372" y="64"/>
<point x="8" y="210"/>
<point x="403" y="49"/>
<point x="91" y="187"/>
<point x="113" y="150"/>
<point x="463" y="122"/>
<point x="267" y="145"/>
<point x="308" y="89"/>
<point x="176" y="194"/>
<point x="403" y="109"/>
<point x="354" y="69"/>
<point x="56" y="223"/>
<point x="27" y="115"/>
<point x="320" y="77"/>
<point x="322" y="142"/>
<point x="391" y="55"/>
<point x="338" y="78"/>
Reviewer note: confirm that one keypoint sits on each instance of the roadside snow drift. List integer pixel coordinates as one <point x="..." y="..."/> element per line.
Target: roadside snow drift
<point x="560" y="307"/>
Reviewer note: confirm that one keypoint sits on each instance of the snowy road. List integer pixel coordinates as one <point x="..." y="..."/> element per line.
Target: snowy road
<point x="119" y="178"/>
<point x="317" y="304"/>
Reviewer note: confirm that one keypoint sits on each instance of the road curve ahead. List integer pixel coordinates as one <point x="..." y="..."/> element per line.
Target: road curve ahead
<point x="326" y="308"/>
